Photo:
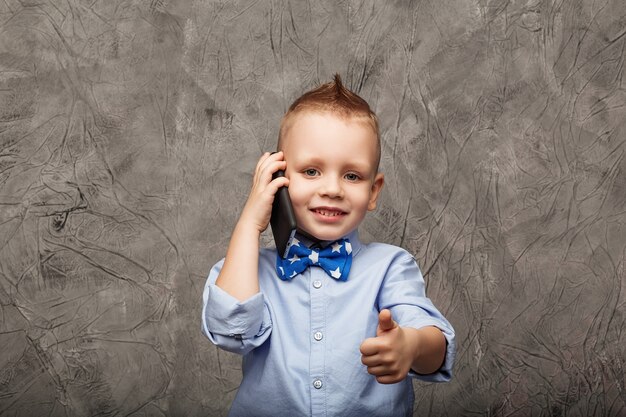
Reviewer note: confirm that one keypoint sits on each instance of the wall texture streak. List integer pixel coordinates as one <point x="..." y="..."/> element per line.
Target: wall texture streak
<point x="129" y="130"/>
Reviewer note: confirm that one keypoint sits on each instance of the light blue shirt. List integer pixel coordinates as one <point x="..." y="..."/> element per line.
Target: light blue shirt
<point x="300" y="339"/>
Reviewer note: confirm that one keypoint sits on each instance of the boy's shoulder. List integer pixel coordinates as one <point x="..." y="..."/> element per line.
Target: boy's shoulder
<point x="380" y="249"/>
<point x="269" y="252"/>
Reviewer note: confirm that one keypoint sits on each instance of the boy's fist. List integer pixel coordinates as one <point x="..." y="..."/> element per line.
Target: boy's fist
<point x="388" y="356"/>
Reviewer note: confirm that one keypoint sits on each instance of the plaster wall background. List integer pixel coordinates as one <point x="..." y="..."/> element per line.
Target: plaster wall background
<point x="129" y="130"/>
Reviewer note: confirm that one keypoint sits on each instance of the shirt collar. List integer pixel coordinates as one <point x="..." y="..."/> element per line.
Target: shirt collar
<point x="309" y="241"/>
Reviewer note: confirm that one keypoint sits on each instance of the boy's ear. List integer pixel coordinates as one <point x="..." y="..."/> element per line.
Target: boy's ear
<point x="377" y="185"/>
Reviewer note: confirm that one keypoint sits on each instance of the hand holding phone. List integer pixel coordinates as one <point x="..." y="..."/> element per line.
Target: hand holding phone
<point x="283" y="219"/>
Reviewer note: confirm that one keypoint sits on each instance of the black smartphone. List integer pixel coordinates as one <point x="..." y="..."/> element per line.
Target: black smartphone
<point x="283" y="220"/>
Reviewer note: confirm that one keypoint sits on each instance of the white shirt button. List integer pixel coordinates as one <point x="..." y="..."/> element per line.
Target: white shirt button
<point x="318" y="336"/>
<point x="317" y="283"/>
<point x="317" y="384"/>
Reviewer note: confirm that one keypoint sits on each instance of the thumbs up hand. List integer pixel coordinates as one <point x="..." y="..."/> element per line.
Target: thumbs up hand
<point x="389" y="355"/>
<point x="385" y="322"/>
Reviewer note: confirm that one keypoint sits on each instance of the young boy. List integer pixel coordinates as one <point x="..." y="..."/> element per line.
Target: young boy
<point x="338" y="327"/>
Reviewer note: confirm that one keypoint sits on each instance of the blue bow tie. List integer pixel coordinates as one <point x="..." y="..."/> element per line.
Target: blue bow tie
<point x="335" y="259"/>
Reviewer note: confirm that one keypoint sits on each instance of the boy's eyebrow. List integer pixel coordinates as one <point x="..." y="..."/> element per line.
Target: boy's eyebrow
<point x="363" y="167"/>
<point x="351" y="165"/>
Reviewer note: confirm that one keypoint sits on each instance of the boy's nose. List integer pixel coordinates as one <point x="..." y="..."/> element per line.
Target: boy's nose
<point x="331" y="187"/>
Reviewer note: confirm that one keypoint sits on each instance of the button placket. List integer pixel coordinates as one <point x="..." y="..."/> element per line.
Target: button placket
<point x="317" y="362"/>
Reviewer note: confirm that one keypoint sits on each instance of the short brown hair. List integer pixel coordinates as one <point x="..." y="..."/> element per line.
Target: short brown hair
<point x="334" y="98"/>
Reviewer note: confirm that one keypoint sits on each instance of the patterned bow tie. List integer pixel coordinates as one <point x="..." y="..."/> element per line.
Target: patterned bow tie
<point x="335" y="259"/>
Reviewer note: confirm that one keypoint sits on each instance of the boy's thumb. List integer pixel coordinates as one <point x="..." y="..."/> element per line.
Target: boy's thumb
<point x="385" y="321"/>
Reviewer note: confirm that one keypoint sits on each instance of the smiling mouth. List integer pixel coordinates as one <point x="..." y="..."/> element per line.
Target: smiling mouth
<point x="328" y="212"/>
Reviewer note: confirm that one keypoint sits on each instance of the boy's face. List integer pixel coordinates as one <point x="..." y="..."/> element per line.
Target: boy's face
<point x="333" y="178"/>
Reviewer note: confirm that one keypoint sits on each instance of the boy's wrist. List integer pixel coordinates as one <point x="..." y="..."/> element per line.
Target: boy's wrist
<point x="248" y="227"/>
<point x="414" y="340"/>
<point x="428" y="350"/>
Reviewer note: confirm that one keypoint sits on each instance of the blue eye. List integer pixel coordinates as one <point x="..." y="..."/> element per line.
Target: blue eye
<point x="311" y="172"/>
<point x="352" y="176"/>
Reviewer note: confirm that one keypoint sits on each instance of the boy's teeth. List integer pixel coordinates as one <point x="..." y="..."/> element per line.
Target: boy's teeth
<point x="328" y="213"/>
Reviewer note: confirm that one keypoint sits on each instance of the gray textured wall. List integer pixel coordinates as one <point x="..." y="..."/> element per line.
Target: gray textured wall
<point x="129" y="130"/>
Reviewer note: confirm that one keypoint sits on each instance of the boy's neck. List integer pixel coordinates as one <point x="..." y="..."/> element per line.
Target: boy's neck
<point x="311" y="241"/>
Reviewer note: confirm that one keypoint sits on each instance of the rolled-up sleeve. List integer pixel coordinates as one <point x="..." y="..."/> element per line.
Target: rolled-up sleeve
<point x="235" y="326"/>
<point x="403" y="292"/>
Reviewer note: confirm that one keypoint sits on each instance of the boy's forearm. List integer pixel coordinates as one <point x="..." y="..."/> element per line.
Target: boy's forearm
<point x="429" y="345"/>
<point x="240" y="273"/>
<point x="239" y="276"/>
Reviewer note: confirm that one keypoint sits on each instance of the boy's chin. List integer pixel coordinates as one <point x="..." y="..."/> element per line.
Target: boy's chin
<point x="324" y="235"/>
